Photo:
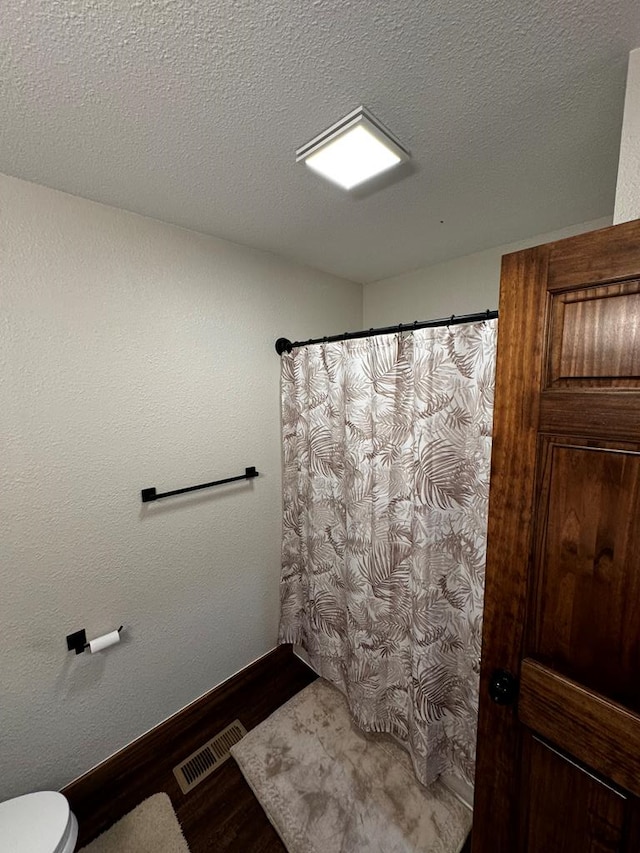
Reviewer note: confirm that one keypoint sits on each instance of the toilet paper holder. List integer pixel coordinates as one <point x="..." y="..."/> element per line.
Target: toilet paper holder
<point x="78" y="641"/>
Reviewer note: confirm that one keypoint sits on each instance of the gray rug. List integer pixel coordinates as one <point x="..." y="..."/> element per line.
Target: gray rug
<point x="329" y="788"/>
<point x="152" y="827"/>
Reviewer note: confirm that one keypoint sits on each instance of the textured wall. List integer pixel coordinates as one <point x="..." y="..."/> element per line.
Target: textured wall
<point x="461" y="286"/>
<point x="134" y="354"/>
<point x="628" y="186"/>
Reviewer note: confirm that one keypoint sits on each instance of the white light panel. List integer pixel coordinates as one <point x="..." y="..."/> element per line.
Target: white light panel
<point x="353" y="151"/>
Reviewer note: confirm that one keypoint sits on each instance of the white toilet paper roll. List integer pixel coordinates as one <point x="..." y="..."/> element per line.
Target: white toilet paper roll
<point x="104" y="642"/>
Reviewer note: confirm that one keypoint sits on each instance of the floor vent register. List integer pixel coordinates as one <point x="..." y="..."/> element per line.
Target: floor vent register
<point x="208" y="757"/>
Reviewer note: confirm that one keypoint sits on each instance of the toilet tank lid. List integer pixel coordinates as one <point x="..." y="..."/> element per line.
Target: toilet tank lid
<point x="34" y="823"/>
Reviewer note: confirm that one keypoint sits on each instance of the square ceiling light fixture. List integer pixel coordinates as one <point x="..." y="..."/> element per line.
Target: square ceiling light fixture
<point x="353" y="150"/>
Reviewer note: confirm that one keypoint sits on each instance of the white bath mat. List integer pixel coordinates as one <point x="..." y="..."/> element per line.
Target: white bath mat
<point x="152" y="827"/>
<point x="327" y="787"/>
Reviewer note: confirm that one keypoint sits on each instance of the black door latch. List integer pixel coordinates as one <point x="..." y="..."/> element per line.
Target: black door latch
<point x="503" y="687"/>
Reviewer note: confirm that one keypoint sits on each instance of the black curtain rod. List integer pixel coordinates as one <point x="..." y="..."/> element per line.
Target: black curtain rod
<point x="285" y="345"/>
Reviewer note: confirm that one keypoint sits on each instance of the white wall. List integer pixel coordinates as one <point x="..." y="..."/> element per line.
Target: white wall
<point x="134" y="354"/>
<point x="628" y="185"/>
<point x="460" y="286"/>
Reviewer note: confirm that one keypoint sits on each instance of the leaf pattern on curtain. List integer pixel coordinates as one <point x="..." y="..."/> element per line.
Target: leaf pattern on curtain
<point x="387" y="444"/>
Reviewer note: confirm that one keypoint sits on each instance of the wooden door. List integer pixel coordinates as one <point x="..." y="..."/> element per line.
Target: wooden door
<point x="558" y="765"/>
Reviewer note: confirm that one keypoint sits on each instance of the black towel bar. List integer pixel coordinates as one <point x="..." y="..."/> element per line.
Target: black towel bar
<point x="151" y="495"/>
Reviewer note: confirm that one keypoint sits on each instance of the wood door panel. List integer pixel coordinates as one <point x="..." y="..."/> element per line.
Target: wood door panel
<point x="610" y="254"/>
<point x="562" y="591"/>
<point x="584" y="616"/>
<point x="590" y="413"/>
<point x="566" y="809"/>
<point x="594" y="337"/>
<point x="508" y="539"/>
<point x="598" y="732"/>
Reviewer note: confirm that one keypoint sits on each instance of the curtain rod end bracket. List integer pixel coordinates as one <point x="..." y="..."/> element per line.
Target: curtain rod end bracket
<point x="283" y="345"/>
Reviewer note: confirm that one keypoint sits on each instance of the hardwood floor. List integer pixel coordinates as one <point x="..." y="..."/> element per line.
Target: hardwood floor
<point x="220" y="815"/>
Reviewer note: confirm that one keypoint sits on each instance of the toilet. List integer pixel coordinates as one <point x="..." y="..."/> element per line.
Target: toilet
<point x="37" y="823"/>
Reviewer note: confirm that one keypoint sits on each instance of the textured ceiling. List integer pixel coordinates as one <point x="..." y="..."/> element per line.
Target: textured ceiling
<point x="191" y="110"/>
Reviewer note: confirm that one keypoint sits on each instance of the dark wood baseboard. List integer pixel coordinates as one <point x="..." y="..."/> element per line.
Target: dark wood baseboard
<point x="221" y="811"/>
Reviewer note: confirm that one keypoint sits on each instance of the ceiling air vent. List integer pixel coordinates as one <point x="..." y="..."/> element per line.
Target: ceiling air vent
<point x="208" y="757"/>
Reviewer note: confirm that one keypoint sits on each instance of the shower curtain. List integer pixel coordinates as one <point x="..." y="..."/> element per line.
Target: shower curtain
<point x="385" y="487"/>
